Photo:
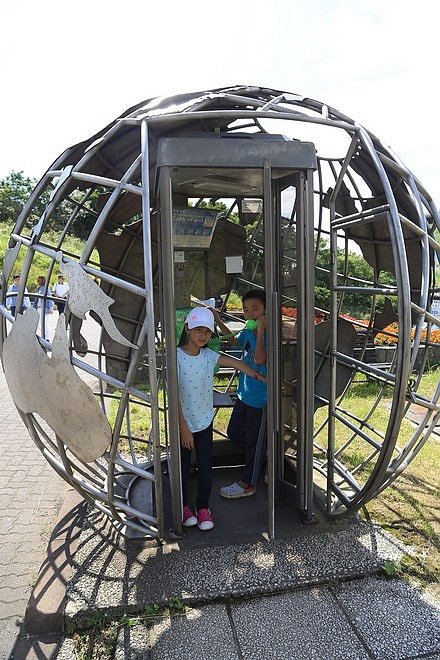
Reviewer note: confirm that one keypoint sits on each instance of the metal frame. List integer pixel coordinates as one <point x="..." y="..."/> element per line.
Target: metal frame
<point x="374" y="204"/>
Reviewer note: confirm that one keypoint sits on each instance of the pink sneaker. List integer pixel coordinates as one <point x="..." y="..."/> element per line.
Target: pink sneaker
<point x="204" y="519"/>
<point x="188" y="519"/>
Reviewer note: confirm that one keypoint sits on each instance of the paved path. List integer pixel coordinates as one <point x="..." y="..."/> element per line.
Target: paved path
<point x="31" y="494"/>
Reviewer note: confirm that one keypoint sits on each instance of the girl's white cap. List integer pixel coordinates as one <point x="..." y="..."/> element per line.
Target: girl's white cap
<point x="200" y="317"/>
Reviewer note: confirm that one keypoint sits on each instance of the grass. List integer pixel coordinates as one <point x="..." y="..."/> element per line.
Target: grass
<point x="98" y="640"/>
<point x="40" y="263"/>
<point x="409" y="509"/>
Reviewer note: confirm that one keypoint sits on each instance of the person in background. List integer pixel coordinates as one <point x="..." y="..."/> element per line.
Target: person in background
<point x="44" y="307"/>
<point x="247" y="426"/>
<point x="195" y="372"/>
<point x="60" y="290"/>
<point x="11" y="300"/>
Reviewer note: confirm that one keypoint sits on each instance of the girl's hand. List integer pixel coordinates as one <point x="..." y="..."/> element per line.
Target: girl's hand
<point x="187" y="439"/>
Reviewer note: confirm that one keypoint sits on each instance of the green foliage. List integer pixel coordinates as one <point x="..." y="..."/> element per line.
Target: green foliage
<point x="322" y="297"/>
<point x="391" y="569"/>
<point x="98" y="642"/>
<point x="176" y="606"/>
<point x="212" y="204"/>
<point x="352" y="270"/>
<point x="129" y="621"/>
<point x="98" y="619"/>
<point x="15" y="189"/>
<point x="151" y="611"/>
<point x="234" y="301"/>
<point x="40" y="262"/>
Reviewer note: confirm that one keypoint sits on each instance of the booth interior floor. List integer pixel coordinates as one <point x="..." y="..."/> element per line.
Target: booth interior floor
<point x="246" y="520"/>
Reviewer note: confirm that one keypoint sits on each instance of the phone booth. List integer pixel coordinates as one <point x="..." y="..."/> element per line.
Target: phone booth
<point x="257" y="168"/>
<point x="207" y="194"/>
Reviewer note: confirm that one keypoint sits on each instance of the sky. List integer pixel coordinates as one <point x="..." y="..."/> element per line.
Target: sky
<point x="69" y="69"/>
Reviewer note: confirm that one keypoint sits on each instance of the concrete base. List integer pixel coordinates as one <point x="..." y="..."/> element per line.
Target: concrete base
<point x="236" y="559"/>
<point x="247" y="597"/>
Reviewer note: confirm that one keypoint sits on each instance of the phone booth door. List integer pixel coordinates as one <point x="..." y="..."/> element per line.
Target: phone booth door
<point x="289" y="258"/>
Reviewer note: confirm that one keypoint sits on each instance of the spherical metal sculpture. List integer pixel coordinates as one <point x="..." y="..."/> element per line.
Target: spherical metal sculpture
<point x="284" y="165"/>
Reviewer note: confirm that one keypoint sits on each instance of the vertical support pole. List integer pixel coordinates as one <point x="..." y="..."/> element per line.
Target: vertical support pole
<point x="149" y="313"/>
<point x="306" y="345"/>
<point x="272" y="334"/>
<point x="333" y="365"/>
<point x="169" y="329"/>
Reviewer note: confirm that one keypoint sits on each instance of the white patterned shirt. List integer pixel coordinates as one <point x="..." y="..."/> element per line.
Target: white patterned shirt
<point x="196" y="379"/>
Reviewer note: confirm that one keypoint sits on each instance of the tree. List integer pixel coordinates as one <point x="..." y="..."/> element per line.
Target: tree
<point x="353" y="270"/>
<point x="15" y="189"/>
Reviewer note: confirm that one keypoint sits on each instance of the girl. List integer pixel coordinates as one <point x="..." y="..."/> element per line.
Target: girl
<point x="196" y="364"/>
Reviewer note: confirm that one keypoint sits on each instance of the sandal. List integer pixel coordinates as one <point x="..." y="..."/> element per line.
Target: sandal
<point x="234" y="491"/>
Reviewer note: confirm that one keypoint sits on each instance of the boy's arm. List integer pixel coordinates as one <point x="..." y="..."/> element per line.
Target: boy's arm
<point x="186" y="436"/>
<point x="260" y="356"/>
<point x="233" y="363"/>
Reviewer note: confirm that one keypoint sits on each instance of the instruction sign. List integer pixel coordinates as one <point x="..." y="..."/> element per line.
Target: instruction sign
<point x="193" y="227"/>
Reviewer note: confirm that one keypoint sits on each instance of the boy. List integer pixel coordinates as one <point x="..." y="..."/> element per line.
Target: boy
<point x="247" y="426"/>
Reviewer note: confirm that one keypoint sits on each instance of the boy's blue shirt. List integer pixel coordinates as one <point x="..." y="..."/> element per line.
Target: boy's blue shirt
<point x="251" y="391"/>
